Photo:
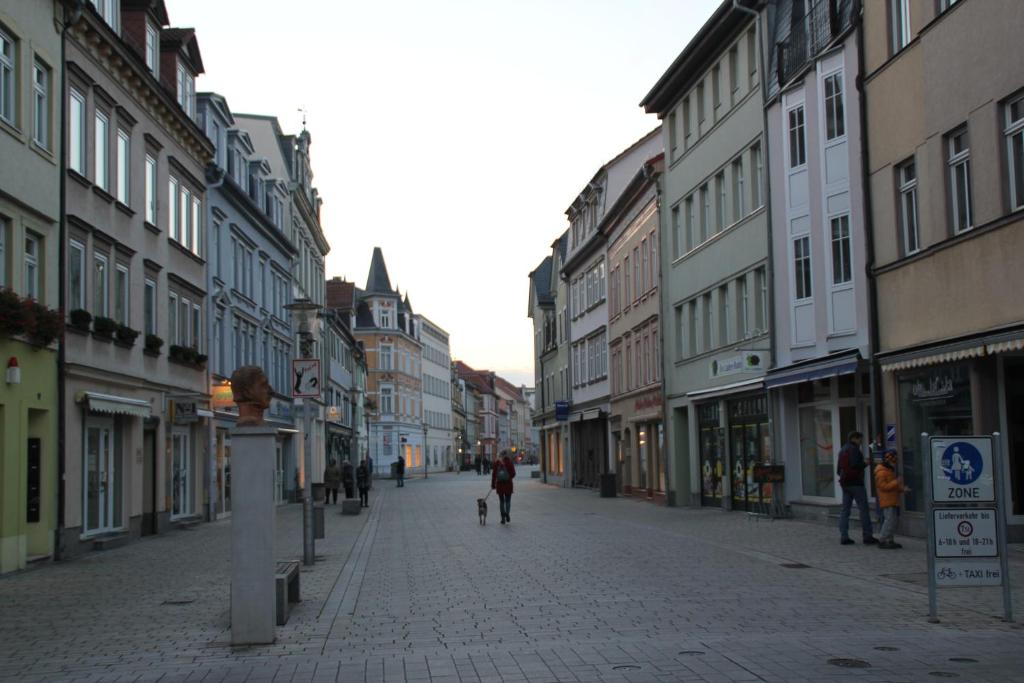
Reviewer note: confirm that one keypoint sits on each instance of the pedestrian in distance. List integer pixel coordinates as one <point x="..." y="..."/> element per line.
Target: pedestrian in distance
<point x="332" y="480"/>
<point x="889" y="487"/>
<point x="476" y="464"/>
<point x="363" y="484"/>
<point x="502" y="475"/>
<point x="369" y="470"/>
<point x="348" y="479"/>
<point x="400" y="471"/>
<point x="850" y="469"/>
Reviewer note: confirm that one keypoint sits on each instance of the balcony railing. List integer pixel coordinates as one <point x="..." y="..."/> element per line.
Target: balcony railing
<point x="809" y="37"/>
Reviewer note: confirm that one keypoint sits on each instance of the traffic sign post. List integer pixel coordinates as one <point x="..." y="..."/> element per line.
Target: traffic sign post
<point x="966" y="534"/>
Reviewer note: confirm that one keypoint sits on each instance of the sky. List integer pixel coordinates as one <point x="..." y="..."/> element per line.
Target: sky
<point x="453" y="134"/>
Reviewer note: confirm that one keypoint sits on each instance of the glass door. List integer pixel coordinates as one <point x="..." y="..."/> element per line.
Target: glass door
<point x="181" y="475"/>
<point x="710" y="455"/>
<point x="102" y="479"/>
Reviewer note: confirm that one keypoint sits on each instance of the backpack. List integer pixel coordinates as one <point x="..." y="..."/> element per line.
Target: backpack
<point x="848" y="476"/>
<point x="502" y="473"/>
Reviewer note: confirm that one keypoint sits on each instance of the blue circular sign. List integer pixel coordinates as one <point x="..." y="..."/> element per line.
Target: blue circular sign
<point x="961" y="463"/>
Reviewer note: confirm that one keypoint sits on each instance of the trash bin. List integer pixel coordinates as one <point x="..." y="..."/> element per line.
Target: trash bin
<point x="394" y="470"/>
<point x="318" y="521"/>
<point x="608" y="485"/>
<point x="319" y="491"/>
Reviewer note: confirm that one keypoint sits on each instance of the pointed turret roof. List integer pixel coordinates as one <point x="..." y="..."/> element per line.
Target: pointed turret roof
<point x="377" y="282"/>
<point x="408" y="306"/>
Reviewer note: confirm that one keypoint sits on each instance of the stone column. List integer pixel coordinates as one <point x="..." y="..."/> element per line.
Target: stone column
<point x="252" y="535"/>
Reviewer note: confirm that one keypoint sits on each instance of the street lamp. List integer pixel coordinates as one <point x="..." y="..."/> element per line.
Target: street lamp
<point x="303" y="314"/>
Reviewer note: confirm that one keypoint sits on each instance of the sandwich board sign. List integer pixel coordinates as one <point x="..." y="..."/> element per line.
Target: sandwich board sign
<point x="966" y="516"/>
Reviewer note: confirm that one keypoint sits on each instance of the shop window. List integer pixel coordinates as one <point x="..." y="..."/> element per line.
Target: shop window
<point x="847" y="385"/>
<point x="816" y="452"/>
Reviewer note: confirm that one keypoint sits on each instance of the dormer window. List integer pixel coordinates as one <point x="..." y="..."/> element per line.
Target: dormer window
<point x="153" y="49"/>
<point x="186" y="90"/>
<point x="110" y="10"/>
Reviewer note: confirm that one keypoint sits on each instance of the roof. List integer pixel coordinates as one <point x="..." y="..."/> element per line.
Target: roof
<point x="184" y="38"/>
<point x="696" y="56"/>
<point x="541" y="282"/>
<point x="377" y="281"/>
<point x="340" y="293"/>
<point x="364" y="318"/>
<point x="156" y="7"/>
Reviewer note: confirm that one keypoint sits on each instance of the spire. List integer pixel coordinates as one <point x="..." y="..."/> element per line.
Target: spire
<point x="408" y="306"/>
<point x="377" y="282"/>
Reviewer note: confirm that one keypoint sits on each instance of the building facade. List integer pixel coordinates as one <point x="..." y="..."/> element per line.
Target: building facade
<point x="137" y="428"/>
<point x="634" y="343"/>
<point x="549" y="307"/>
<point x="820" y="385"/>
<point x="586" y="272"/>
<point x="278" y="158"/>
<point x="436" y="400"/>
<point x="30" y="146"/>
<point x="249" y="268"/>
<point x="344" y="397"/>
<point x="715" y="287"/>
<point x="945" y="169"/>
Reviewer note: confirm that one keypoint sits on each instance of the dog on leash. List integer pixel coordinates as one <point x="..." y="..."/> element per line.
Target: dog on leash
<point x="481" y="508"/>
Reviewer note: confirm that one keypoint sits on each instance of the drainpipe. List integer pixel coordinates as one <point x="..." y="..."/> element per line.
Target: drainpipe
<point x="71" y="17"/>
<point x="770" y="269"/>
<point x="869" y="235"/>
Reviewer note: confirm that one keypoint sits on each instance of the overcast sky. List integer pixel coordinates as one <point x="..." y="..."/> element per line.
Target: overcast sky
<point x="451" y="133"/>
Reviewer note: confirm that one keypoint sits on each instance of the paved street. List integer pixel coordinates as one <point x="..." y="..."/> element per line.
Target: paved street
<point x="578" y="588"/>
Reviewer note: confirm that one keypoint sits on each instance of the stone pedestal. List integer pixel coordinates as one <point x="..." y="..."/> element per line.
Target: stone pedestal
<point x="252" y="535"/>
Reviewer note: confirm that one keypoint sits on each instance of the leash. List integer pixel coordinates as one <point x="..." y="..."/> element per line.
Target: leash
<point x="488" y="494"/>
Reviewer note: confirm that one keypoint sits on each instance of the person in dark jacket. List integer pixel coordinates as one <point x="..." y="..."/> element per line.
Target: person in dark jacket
<point x="400" y="471"/>
<point x="348" y="479"/>
<point x="332" y="479"/>
<point x="363" y="484"/>
<point x="850" y="469"/>
<point x="502" y="474"/>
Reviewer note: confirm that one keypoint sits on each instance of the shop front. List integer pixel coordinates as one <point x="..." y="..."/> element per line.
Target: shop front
<point x="589" y="439"/>
<point x="638" y="445"/>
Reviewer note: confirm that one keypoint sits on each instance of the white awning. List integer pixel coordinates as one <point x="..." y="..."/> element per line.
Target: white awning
<point x="203" y="412"/>
<point x="1006" y="346"/>
<point x="725" y="389"/>
<point x="114" y="405"/>
<point x="999" y="342"/>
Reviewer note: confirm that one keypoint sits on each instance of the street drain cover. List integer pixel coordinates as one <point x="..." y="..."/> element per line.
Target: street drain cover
<point x="943" y="674"/>
<point x="796" y="565"/>
<point x="848" y="663"/>
<point x="181" y="601"/>
<point x="692" y="653"/>
<point x="886" y="648"/>
<point x="626" y="667"/>
<point x="963" y="660"/>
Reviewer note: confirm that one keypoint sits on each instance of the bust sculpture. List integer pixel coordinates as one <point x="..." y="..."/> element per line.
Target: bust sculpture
<point x="251" y="392"/>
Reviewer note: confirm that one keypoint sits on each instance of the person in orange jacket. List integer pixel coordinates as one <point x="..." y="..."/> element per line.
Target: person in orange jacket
<point x="888" y="487"/>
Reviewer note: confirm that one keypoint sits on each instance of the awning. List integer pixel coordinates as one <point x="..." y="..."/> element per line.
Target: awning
<point x="980" y="345"/>
<point x="806" y="371"/>
<point x="114" y="405"/>
<point x="203" y="412"/>
<point x="725" y="389"/>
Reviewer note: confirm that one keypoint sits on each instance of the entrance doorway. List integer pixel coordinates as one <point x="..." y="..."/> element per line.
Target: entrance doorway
<point x="149" y="497"/>
<point x="181" y="475"/>
<point x="711" y="465"/>
<point x="1013" y="377"/>
<point x="750" y="444"/>
<point x="102" y="477"/>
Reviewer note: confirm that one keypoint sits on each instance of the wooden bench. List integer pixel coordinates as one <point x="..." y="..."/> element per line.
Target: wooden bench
<point x="286" y="584"/>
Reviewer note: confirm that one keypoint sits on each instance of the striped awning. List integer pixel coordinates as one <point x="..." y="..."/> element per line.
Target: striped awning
<point x="114" y="405"/>
<point x="989" y="345"/>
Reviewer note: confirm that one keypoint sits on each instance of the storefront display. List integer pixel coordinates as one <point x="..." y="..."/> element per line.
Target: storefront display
<point x="749" y="445"/>
<point x="708" y="424"/>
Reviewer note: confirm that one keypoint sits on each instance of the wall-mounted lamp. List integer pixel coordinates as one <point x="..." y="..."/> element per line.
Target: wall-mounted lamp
<point x="13" y="375"/>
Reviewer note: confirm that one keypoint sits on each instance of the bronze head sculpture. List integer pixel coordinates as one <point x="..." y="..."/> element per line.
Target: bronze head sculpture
<point x="251" y="391"/>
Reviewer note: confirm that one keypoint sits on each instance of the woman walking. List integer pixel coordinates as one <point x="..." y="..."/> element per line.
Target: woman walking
<point x="502" y="475"/>
<point x="363" y="484"/>
<point x="332" y="480"/>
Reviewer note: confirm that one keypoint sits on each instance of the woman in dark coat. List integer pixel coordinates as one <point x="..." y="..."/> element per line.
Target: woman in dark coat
<point x="502" y="474"/>
<point x="363" y="484"/>
<point x="348" y="479"/>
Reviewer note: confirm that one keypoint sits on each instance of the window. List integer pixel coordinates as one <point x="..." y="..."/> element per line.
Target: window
<point x="723" y="315"/>
<point x="835" y="115"/>
<point x="734" y="74"/>
<point x="109" y="10"/>
<point x="1015" y="151"/>
<point x="738" y="210"/>
<point x="121" y="294"/>
<point x="625" y="267"/>
<point x="150" y="190"/>
<point x="691" y="222"/>
<point x="8" y="76"/>
<point x="185" y="218"/>
<point x="186" y="87"/>
<point x="752" y="57"/>
<point x="756" y="186"/>
<point x="716" y="89"/>
<point x="692" y="324"/>
<point x="842" y="259"/>
<point x="197" y="330"/>
<point x="123" y="166"/>
<point x="386" y="401"/>
<point x="960" y="180"/>
<point x="32" y="257"/>
<point x="721" y="217"/>
<point x="680" y="330"/>
<point x="709" y="321"/>
<point x="761" y="282"/>
<point x="645" y="267"/>
<point x="743" y="309"/>
<point x="802" y="267"/>
<point x="797" y="141"/>
<point x="385" y="357"/>
<point x="946" y="4"/>
<point x="102" y="166"/>
<point x="907" y="179"/>
<point x="687" y="127"/>
<point x="637" y="286"/>
<point x="152" y="49"/>
<point x="655" y="266"/>
<point x="76" y="275"/>
<point x="41" y="104"/>
<point x="196" y="224"/>
<point x="672" y="132"/>
<point x="899" y="23"/>
<point x="700" y="104"/>
<point x="149" y="308"/>
<point x="76" y="132"/>
<point x="677" y="236"/>
<point x="99" y="285"/>
<point x="385" y="318"/>
<point x="705" y="212"/>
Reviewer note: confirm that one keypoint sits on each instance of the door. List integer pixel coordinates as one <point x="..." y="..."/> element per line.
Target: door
<point x="181" y="475"/>
<point x="102" y="478"/>
<point x="149" y="522"/>
<point x="711" y="467"/>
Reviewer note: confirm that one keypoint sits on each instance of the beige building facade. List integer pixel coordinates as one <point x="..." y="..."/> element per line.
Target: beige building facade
<point x="945" y="116"/>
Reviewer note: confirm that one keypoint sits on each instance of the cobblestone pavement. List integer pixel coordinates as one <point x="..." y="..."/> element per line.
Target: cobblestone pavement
<point x="577" y="588"/>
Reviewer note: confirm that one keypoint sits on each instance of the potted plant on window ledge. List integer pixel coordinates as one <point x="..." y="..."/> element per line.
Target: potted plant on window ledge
<point x="14" y="315"/>
<point x="80" y="320"/>
<point x="104" y="328"/>
<point x="46" y="324"/>
<point x="126" y="336"/>
<point x="153" y="345"/>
